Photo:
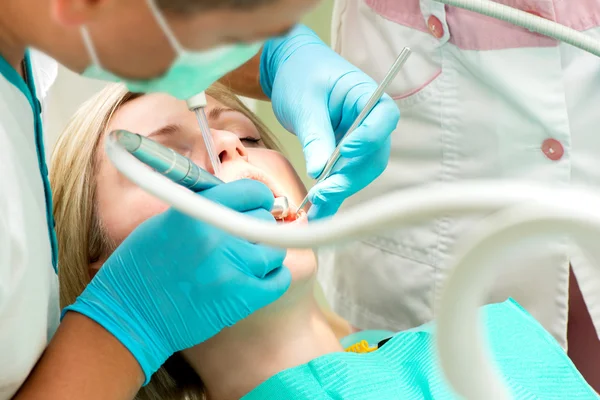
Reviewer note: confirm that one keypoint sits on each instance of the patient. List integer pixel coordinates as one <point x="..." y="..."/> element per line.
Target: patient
<point x="288" y="349"/>
<point x="96" y="208"/>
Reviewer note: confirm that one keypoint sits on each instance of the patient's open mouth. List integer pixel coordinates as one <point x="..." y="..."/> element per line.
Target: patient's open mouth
<point x="247" y="171"/>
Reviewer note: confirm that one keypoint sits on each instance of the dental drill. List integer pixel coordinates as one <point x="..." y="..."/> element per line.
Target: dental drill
<point x="178" y="168"/>
<point x="373" y="100"/>
<point x="197" y="104"/>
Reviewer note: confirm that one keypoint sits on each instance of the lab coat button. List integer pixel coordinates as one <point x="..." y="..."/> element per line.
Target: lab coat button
<point x="553" y="149"/>
<point x="435" y="27"/>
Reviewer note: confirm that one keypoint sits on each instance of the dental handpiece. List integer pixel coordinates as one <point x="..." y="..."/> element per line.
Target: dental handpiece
<point x="197" y="104"/>
<point x="178" y="168"/>
<point x="373" y="100"/>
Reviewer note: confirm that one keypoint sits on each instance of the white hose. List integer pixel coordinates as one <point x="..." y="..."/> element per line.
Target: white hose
<point x="402" y="208"/>
<point x="460" y="343"/>
<point x="462" y="349"/>
<point x="529" y="21"/>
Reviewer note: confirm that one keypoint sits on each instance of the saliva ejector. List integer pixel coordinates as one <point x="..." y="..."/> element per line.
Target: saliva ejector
<point x="197" y="104"/>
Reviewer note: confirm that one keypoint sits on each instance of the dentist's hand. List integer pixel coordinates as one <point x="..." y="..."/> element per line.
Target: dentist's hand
<point x="317" y="95"/>
<point x="175" y="281"/>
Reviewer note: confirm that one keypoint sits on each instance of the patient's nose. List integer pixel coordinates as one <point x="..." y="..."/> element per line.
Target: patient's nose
<point x="228" y="146"/>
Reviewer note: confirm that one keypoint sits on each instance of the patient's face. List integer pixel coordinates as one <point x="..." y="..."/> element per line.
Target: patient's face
<point x="122" y="206"/>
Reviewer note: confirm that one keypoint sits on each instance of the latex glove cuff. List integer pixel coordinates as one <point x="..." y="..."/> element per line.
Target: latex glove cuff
<point x="150" y="354"/>
<point x="277" y="50"/>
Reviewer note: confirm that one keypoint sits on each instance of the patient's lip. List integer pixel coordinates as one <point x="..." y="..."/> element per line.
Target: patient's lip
<point x="293" y="215"/>
<point x="301" y="218"/>
<point x="232" y="172"/>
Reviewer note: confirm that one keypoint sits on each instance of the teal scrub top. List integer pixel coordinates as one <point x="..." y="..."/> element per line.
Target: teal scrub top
<point x="532" y="363"/>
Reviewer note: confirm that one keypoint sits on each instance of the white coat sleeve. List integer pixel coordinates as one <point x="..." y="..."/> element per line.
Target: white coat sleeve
<point x="5" y="266"/>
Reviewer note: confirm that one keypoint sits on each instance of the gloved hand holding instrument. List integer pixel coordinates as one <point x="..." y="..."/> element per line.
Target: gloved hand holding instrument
<point x="322" y="115"/>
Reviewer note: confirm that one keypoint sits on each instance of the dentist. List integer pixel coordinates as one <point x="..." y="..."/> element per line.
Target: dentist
<point x="155" y="295"/>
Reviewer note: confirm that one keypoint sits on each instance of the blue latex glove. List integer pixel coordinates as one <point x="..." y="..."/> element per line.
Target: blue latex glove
<point x="317" y="95"/>
<point x="175" y="281"/>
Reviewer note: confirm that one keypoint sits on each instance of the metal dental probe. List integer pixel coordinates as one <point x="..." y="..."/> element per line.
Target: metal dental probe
<point x="178" y="168"/>
<point x="373" y="100"/>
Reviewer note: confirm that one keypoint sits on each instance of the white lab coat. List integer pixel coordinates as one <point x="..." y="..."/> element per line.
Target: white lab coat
<point x="29" y="310"/>
<point x="479" y="99"/>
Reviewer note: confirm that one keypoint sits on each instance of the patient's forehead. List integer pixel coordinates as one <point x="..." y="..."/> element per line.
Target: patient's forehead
<point x="146" y="113"/>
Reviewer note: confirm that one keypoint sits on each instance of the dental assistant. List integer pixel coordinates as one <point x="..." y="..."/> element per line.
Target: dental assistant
<point x="480" y="99"/>
<point x="174" y="282"/>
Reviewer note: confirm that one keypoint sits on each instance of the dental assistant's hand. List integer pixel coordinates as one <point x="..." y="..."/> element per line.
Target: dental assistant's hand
<point x="175" y="281"/>
<point x="317" y="95"/>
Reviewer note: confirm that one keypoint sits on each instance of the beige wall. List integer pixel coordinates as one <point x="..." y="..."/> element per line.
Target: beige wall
<point x="66" y="95"/>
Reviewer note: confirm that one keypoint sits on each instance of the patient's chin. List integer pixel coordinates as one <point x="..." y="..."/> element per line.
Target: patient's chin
<point x="302" y="264"/>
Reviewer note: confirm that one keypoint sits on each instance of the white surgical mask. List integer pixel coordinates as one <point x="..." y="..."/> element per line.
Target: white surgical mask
<point x="192" y="71"/>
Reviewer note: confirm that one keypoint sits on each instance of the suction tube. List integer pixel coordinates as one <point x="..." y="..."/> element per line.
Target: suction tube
<point x="529" y="21"/>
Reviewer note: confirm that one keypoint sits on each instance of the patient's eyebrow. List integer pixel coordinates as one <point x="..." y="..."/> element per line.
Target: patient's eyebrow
<point x="166" y="130"/>
<point x="216" y="112"/>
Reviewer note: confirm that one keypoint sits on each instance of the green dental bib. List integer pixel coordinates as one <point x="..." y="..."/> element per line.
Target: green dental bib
<point x="534" y="366"/>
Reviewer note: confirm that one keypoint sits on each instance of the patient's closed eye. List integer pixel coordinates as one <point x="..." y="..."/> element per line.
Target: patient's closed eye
<point x="235" y="121"/>
<point x="166" y="130"/>
<point x="251" y="142"/>
<point x="172" y="136"/>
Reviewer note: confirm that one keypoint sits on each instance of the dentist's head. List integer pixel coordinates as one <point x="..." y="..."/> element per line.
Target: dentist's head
<point x="148" y="43"/>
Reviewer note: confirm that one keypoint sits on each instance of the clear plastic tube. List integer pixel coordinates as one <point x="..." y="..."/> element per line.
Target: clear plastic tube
<point x="208" y="140"/>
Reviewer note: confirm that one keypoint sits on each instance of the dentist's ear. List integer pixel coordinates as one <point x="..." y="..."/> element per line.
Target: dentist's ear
<point x="76" y="12"/>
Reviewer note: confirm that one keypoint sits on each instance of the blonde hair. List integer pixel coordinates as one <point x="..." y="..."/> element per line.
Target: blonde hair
<point x="80" y="235"/>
